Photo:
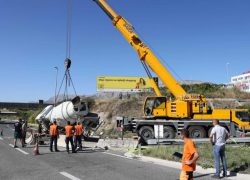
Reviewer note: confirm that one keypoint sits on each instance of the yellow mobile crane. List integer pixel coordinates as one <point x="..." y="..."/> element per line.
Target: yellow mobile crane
<point x="187" y="110"/>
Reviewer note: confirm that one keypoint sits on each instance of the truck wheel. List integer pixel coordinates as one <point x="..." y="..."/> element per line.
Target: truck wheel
<point x="169" y="132"/>
<point x="146" y="132"/>
<point x="197" y="132"/>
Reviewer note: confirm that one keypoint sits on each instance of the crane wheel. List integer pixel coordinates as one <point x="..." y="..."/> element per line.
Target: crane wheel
<point x="197" y="132"/>
<point x="169" y="132"/>
<point x="146" y="133"/>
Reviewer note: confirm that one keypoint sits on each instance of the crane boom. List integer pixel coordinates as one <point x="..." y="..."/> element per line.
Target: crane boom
<point x="145" y="54"/>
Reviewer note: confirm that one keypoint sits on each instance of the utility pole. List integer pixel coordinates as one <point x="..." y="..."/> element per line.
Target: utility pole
<point x="56" y="86"/>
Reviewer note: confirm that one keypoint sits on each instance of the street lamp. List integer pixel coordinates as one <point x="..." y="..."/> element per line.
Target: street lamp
<point x="56" y="86"/>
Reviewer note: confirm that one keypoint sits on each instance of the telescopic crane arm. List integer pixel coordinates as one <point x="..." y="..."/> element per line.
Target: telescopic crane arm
<point x="145" y="54"/>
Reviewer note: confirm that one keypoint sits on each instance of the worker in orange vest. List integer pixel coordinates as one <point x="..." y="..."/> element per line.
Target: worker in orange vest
<point x="69" y="132"/>
<point x="53" y="136"/>
<point x="78" y="136"/>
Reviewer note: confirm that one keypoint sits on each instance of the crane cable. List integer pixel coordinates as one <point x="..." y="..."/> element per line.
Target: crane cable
<point x="67" y="62"/>
<point x="161" y="59"/>
<point x="69" y="24"/>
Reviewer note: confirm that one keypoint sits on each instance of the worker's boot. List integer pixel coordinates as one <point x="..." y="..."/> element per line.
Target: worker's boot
<point x="77" y="148"/>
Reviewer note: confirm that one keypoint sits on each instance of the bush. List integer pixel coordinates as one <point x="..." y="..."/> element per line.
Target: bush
<point x="29" y="115"/>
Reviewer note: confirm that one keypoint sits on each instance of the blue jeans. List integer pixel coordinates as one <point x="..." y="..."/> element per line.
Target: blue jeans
<point x="219" y="153"/>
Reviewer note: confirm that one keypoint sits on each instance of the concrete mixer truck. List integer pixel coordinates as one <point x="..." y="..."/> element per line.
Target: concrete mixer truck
<point x="72" y="110"/>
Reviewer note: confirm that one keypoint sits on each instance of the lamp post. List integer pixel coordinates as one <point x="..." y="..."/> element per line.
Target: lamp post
<point x="56" y="85"/>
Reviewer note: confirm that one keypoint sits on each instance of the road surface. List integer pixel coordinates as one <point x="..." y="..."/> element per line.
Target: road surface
<point x="89" y="164"/>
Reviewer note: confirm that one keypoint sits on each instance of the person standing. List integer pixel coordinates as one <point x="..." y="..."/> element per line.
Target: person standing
<point x="69" y="132"/>
<point x="78" y="136"/>
<point x="189" y="156"/>
<point x="18" y="132"/>
<point x="54" y="133"/>
<point x="218" y="138"/>
<point x="24" y="131"/>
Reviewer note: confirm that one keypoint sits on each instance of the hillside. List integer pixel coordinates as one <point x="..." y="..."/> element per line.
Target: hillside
<point x="108" y="110"/>
<point x="110" y="105"/>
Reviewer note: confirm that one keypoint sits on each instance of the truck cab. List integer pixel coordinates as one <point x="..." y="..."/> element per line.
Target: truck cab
<point x="242" y="118"/>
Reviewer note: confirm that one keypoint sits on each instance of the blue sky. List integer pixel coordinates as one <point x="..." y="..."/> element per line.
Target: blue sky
<point x="196" y="38"/>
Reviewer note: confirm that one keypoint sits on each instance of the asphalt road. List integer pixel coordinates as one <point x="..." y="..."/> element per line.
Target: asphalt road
<point x="90" y="164"/>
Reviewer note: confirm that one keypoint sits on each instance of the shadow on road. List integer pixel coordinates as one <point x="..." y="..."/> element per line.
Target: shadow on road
<point x="91" y="150"/>
<point x="202" y="175"/>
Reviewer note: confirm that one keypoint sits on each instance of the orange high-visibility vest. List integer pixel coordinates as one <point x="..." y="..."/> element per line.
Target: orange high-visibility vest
<point x="78" y="130"/>
<point x="53" y="130"/>
<point x="68" y="131"/>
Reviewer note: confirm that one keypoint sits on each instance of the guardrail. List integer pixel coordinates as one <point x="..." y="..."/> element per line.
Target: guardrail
<point x="197" y="141"/>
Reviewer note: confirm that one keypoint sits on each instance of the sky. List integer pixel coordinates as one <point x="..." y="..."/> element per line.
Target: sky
<point x="206" y="40"/>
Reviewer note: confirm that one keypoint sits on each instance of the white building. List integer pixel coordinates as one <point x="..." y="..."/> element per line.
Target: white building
<point x="242" y="81"/>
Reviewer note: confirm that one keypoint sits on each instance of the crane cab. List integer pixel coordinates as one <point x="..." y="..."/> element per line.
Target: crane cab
<point x="160" y="107"/>
<point x="242" y="118"/>
<point x="155" y="106"/>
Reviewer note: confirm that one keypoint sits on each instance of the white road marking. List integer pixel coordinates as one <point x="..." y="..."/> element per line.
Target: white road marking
<point x="11" y="145"/>
<point x="1" y="138"/>
<point x="69" y="176"/>
<point x="116" y="155"/>
<point x="22" y="151"/>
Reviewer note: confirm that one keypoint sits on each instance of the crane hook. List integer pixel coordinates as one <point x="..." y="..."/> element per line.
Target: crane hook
<point x="67" y="63"/>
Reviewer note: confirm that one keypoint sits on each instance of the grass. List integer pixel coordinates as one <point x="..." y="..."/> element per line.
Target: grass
<point x="238" y="159"/>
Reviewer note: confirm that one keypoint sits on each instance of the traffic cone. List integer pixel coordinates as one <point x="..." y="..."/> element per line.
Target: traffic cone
<point x="36" y="149"/>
